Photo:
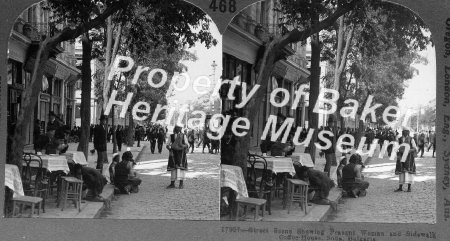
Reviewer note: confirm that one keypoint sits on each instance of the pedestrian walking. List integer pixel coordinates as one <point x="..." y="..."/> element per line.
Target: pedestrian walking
<point x="330" y="154"/>
<point x="200" y="138"/>
<point x="153" y="138"/>
<point x="421" y="143"/>
<point x="100" y="133"/>
<point x="177" y="163"/>
<point x="406" y="170"/>
<point x="191" y="139"/>
<point x="161" y="139"/>
<point x="119" y="137"/>
<point x="206" y="141"/>
<point x="138" y="135"/>
<point x="432" y="141"/>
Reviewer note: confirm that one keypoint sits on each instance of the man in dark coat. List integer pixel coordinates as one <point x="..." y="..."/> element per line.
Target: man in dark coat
<point x="161" y="139"/>
<point x="119" y="137"/>
<point x="153" y="137"/>
<point x="319" y="182"/>
<point x="100" y="133"/>
<point x="93" y="180"/>
<point x="330" y="154"/>
<point x="53" y="123"/>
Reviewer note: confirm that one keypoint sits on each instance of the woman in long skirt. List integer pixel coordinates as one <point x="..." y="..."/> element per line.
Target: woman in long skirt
<point x="177" y="163"/>
<point x="406" y="170"/>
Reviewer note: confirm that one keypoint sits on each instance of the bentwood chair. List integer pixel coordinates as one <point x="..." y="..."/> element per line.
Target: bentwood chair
<point x="259" y="180"/>
<point x="34" y="180"/>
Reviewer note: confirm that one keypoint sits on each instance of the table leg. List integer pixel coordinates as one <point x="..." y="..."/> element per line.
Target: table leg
<point x="285" y="189"/>
<point x="236" y="217"/>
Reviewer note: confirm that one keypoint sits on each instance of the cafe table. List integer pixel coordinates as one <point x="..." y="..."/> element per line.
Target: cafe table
<point x="232" y="177"/>
<point x="76" y="157"/>
<point x="13" y="180"/>
<point x="54" y="163"/>
<point x="278" y="165"/>
<point x="302" y="159"/>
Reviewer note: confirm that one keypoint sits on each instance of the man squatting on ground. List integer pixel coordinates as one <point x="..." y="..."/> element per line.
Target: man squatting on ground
<point x="352" y="179"/>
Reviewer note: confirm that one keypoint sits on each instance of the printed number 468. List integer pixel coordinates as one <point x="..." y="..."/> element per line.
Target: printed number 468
<point x="223" y="6"/>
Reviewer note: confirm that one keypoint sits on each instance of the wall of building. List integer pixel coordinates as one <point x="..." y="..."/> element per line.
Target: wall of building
<point x="241" y="43"/>
<point x="60" y="73"/>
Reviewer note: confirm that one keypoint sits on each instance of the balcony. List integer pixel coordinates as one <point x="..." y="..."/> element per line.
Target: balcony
<point x="38" y="31"/>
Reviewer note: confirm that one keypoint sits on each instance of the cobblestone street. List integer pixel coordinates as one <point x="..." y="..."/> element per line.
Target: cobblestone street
<point x="384" y="205"/>
<point x="199" y="200"/>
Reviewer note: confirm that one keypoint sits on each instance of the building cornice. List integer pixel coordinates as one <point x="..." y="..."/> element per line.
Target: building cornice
<point x="246" y="35"/>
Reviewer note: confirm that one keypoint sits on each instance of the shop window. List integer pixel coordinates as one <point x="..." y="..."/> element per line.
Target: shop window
<point x="57" y="88"/>
<point x="14" y="72"/>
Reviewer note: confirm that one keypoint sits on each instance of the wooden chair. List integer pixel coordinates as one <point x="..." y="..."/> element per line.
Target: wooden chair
<point x="23" y="201"/>
<point x="34" y="180"/>
<point x="71" y="190"/>
<point x="259" y="181"/>
<point x="298" y="192"/>
<point x="248" y="203"/>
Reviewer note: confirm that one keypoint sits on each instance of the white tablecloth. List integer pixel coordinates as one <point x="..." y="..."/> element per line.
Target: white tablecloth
<point x="232" y="177"/>
<point x="278" y="165"/>
<point x="76" y="157"/>
<point x="54" y="163"/>
<point x="304" y="159"/>
<point x="13" y="180"/>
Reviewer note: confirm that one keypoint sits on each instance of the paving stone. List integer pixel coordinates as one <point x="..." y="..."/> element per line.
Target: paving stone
<point x="199" y="200"/>
<point x="382" y="204"/>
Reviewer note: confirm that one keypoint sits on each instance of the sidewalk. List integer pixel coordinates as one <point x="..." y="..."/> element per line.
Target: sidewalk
<point x="89" y="209"/>
<point x="315" y="212"/>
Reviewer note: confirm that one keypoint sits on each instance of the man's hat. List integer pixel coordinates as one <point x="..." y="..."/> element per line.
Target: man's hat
<point x="103" y="117"/>
<point x="51" y="113"/>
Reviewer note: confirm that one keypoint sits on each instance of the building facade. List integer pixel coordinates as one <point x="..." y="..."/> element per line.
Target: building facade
<point x="58" y="90"/>
<point x="242" y="42"/>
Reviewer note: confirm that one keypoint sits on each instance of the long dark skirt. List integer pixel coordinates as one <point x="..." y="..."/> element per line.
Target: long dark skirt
<point x="408" y="166"/>
<point x="177" y="160"/>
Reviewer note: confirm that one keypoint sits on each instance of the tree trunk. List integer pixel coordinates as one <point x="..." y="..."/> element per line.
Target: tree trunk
<point x="114" y="140"/>
<point x="264" y="72"/>
<point x="313" y="118"/>
<point x="130" y="131"/>
<point x="85" y="107"/>
<point x="108" y="49"/>
<point x="29" y="101"/>
<point x="341" y="62"/>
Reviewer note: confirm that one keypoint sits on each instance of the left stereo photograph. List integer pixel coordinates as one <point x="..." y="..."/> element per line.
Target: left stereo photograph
<point x="111" y="111"/>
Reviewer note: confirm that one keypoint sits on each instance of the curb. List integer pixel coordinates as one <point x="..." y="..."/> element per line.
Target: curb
<point x="108" y="190"/>
<point x="108" y="195"/>
<point x="329" y="209"/>
<point x="138" y="157"/>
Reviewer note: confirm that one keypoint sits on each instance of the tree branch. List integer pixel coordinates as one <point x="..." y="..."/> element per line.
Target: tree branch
<point x="296" y="35"/>
<point x="69" y="33"/>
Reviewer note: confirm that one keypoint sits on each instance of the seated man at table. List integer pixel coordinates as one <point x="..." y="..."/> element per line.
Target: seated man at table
<point x="352" y="179"/>
<point x="93" y="180"/>
<point x="319" y="183"/>
<point x="47" y="143"/>
<point x="62" y="136"/>
<point x="280" y="149"/>
<point x="125" y="179"/>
